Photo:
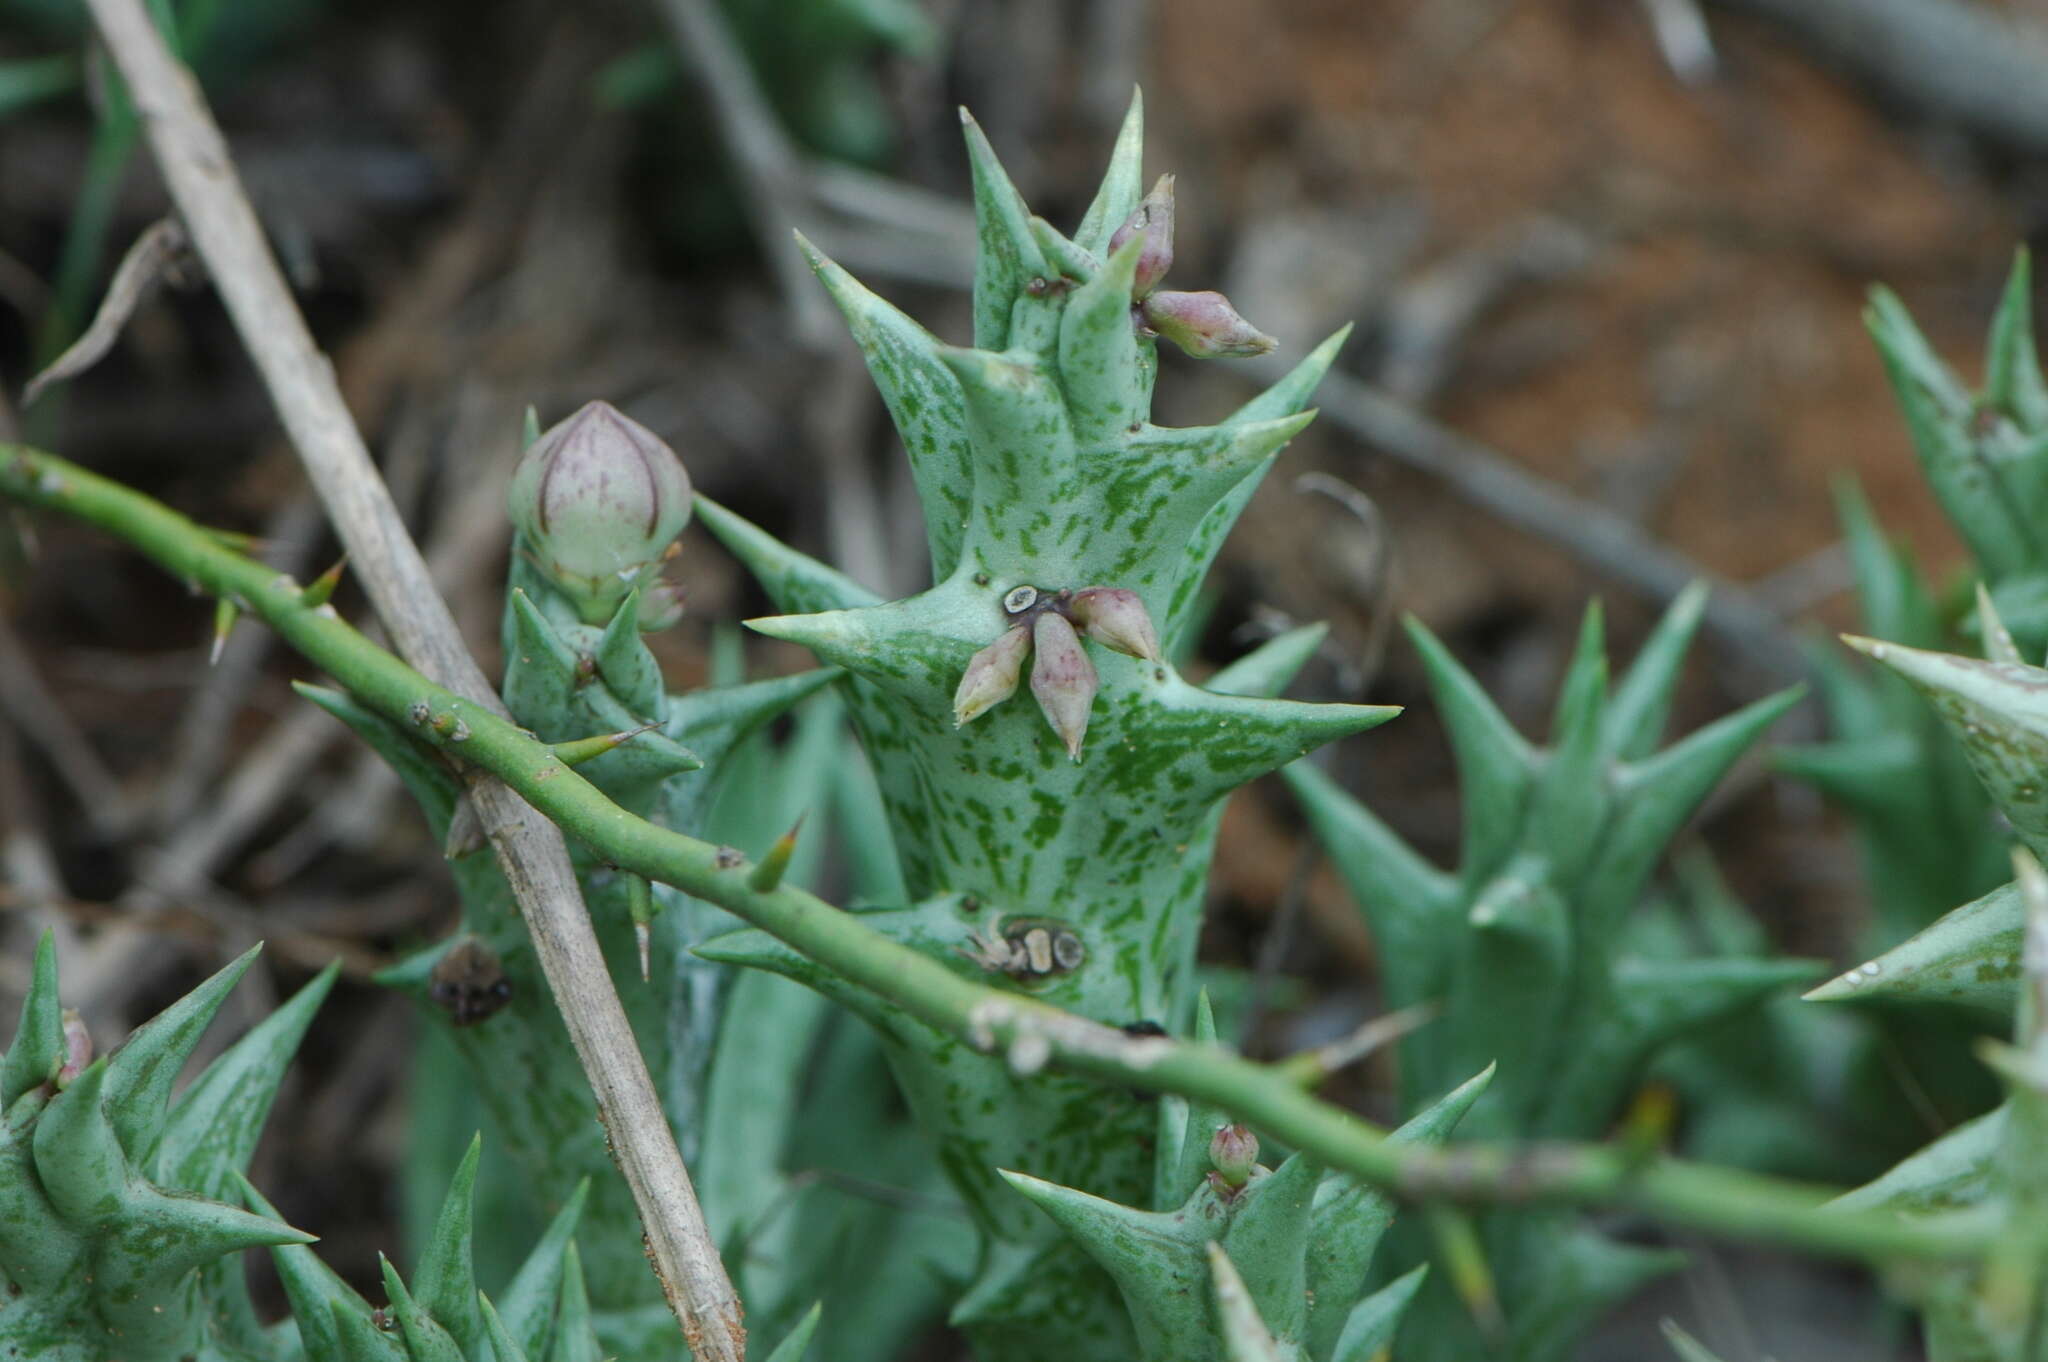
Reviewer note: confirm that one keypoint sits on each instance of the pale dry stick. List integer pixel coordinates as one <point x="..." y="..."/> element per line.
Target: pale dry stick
<point x="153" y="256"/>
<point x="193" y="157"/>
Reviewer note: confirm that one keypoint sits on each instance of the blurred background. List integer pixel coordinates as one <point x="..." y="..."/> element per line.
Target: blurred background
<point x="1605" y="260"/>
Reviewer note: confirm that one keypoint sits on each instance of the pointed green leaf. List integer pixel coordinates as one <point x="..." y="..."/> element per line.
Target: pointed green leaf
<point x="1122" y="183"/>
<point x="1271" y="667"/>
<point x="1970" y="956"/>
<point x="141" y="1072"/>
<point x="1998" y="640"/>
<point x="1958" y="1170"/>
<point x="575" y="1333"/>
<point x="1654" y="797"/>
<point x="923" y="399"/>
<point x="1008" y="257"/>
<point x="1641" y="703"/>
<point x="1572" y="800"/>
<point x="215" y="1123"/>
<point x="1507" y="990"/>
<point x="445" y="1282"/>
<point x="1100" y="365"/>
<point x="1349" y="1219"/>
<point x="38" y="1045"/>
<point x="541" y="673"/>
<point x="795" y="582"/>
<point x="1996" y="712"/>
<point x="1155" y="1258"/>
<point x="425" y="1339"/>
<point x="529" y="1313"/>
<point x="38" y="1251"/>
<point x="1268" y="1242"/>
<point x="1407" y="902"/>
<point x="356" y="1339"/>
<point x="623" y="660"/>
<point x="1938" y="414"/>
<point x="1292" y="393"/>
<point x="2012" y="379"/>
<point x="1494" y="763"/>
<point x="504" y="1348"/>
<point x="318" y="1295"/>
<point x="798" y="1340"/>
<point x="78" y="1153"/>
<point x="1369" y="1330"/>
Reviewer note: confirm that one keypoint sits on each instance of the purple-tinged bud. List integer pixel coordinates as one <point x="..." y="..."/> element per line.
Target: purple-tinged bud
<point x="1115" y="618"/>
<point x="661" y="605"/>
<point x="992" y="674"/>
<point x="77" y="1049"/>
<point x="1203" y="324"/>
<point x="1232" y="1152"/>
<point x="1062" y="678"/>
<point x="597" y="500"/>
<point x="1154" y="218"/>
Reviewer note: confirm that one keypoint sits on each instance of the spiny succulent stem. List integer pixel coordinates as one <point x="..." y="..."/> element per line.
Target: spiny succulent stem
<point x="993" y="1020"/>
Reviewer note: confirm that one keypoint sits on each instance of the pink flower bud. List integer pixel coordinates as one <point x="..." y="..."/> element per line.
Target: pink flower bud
<point x="1062" y="678"/>
<point x="991" y="675"/>
<point x="77" y="1048"/>
<point x="1154" y="218"/>
<point x="1232" y="1152"/>
<point x="1203" y="324"/>
<point x="597" y="499"/>
<point x="1116" y="619"/>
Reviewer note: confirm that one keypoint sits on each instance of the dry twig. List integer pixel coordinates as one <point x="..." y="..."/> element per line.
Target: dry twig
<point x="196" y="166"/>
<point x="154" y="256"/>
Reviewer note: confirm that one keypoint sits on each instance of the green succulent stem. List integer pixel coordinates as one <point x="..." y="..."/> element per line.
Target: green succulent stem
<point x="993" y="1020"/>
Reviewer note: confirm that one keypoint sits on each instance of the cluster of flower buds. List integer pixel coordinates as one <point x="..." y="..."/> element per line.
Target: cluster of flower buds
<point x="1047" y="627"/>
<point x="599" y="501"/>
<point x="1203" y="324"/>
<point x="1233" y="1151"/>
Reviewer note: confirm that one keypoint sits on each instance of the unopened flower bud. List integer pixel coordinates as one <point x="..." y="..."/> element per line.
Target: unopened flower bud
<point x="1062" y="678"/>
<point x="1232" y="1152"/>
<point x="77" y="1048"/>
<point x="661" y="605"/>
<point x="1154" y="218"/>
<point x="992" y="674"/>
<point x="1115" y="618"/>
<point x="1204" y="324"/>
<point x="597" y="499"/>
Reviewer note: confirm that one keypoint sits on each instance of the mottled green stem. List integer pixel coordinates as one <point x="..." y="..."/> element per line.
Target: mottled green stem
<point x="992" y="1020"/>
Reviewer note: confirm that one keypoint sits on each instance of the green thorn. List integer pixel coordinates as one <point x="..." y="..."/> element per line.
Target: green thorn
<point x="322" y="587"/>
<point x="767" y="875"/>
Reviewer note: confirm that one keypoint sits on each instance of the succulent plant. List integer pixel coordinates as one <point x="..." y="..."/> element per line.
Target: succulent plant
<point x="1991" y="953"/>
<point x="1524" y="945"/>
<point x="118" y="1242"/>
<point x="1236" y="1260"/>
<point x="1984" y="453"/>
<point x="1058" y="845"/>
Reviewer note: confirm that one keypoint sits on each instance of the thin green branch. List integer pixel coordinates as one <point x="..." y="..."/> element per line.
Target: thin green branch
<point x="1028" y="1033"/>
